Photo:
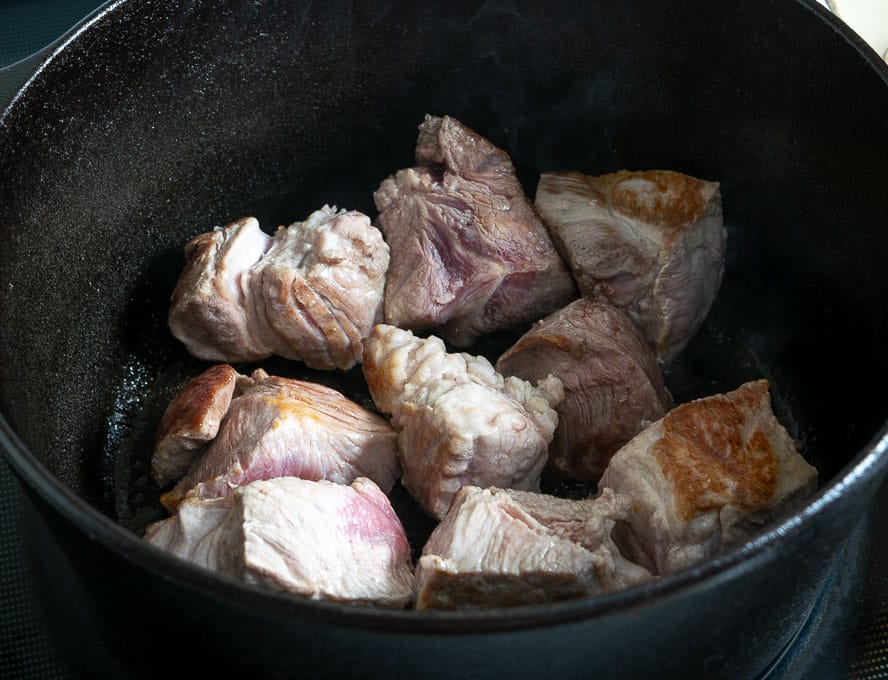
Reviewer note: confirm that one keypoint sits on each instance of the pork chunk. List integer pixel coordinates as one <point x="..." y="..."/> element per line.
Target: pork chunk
<point x="613" y="386"/>
<point x="498" y="548"/>
<point x="311" y="292"/>
<point x="316" y="539"/>
<point x="706" y="477"/>
<point x="469" y="254"/>
<point x="458" y="421"/>
<point x="319" y="289"/>
<point x="284" y="427"/>
<point x="651" y="243"/>
<point x="190" y="421"/>
<point x="208" y="309"/>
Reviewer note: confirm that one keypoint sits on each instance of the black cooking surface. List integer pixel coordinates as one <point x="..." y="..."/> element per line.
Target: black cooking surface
<point x="49" y="630"/>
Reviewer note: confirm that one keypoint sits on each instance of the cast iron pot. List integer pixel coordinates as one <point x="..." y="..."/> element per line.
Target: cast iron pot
<point x="155" y="121"/>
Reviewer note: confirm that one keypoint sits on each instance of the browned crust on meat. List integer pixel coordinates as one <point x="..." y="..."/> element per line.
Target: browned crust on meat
<point x="561" y="342"/>
<point x="679" y="200"/>
<point x="316" y="401"/>
<point x="187" y="413"/>
<point x="378" y="370"/>
<point x="711" y="460"/>
<point x="197" y="251"/>
<point x="481" y="590"/>
<point x="191" y="420"/>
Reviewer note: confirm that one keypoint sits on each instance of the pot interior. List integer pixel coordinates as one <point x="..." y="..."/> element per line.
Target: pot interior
<point x="157" y="123"/>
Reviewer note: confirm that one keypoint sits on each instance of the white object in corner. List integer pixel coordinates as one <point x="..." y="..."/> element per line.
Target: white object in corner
<point x="868" y="18"/>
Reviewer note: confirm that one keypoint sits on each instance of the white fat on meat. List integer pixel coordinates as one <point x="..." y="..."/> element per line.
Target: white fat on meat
<point x="458" y="421"/>
<point x="316" y="539"/>
<point x="652" y="243"/>
<point x="311" y="292"/>
<point x="285" y="427"/>
<point x="500" y="548"/>
<point x="706" y="477"/>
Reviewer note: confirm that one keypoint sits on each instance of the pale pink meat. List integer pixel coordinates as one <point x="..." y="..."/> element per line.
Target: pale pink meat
<point x="316" y="539"/>
<point x="311" y="292"/>
<point x="284" y="427"/>
<point x="208" y="307"/>
<point x="500" y="548"/>
<point x="651" y="243"/>
<point x="458" y="421"/>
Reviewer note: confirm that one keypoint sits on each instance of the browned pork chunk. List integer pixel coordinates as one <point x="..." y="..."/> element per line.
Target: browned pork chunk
<point x="317" y="539"/>
<point x="458" y="421"/>
<point x="192" y="419"/>
<point x="468" y="252"/>
<point x="311" y="292"/>
<point x="707" y="476"/>
<point x="613" y="386"/>
<point x="283" y="427"/>
<point x="498" y="548"/>
<point x="651" y="243"/>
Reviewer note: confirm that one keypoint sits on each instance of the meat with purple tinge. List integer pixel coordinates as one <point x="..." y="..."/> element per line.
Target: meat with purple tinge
<point x="458" y="421"/>
<point x="191" y="420"/>
<point x="469" y="254"/>
<point x="613" y="386"/>
<point x="285" y="427"/>
<point x="651" y="243"/>
<point x="316" y="539"/>
<point x="208" y="306"/>
<point x="500" y="548"/>
<point x="706" y="477"/>
<point x="311" y="292"/>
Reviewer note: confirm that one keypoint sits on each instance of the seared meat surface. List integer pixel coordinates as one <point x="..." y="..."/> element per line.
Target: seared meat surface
<point x="651" y="243"/>
<point x="707" y="476"/>
<point x="503" y="548"/>
<point x="284" y="427"/>
<point x="311" y="292"/>
<point x="469" y="254"/>
<point x="613" y="386"/>
<point x="190" y="421"/>
<point x="459" y="422"/>
<point x="317" y="539"/>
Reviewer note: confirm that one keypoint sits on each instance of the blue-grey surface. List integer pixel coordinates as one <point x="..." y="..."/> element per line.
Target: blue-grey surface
<point x="27" y="650"/>
<point x="28" y="25"/>
<point x="48" y="630"/>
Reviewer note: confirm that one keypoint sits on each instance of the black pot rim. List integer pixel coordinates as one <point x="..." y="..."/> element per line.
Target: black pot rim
<point x="869" y="465"/>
